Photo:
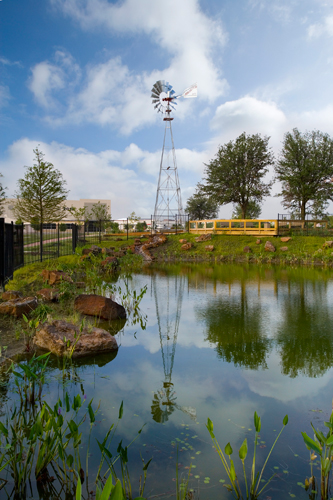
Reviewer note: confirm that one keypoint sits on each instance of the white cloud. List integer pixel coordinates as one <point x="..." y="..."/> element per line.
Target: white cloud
<point x="320" y="29"/>
<point x="48" y="78"/>
<point x="190" y="43"/>
<point x="249" y="115"/>
<point x="45" y="78"/>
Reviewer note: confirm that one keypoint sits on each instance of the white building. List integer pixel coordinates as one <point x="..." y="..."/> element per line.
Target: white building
<point x="9" y="203"/>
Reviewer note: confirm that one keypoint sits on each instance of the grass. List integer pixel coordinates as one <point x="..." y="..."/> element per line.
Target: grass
<point x="230" y="248"/>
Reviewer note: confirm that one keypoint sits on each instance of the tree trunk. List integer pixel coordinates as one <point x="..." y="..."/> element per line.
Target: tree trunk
<point x="303" y="210"/>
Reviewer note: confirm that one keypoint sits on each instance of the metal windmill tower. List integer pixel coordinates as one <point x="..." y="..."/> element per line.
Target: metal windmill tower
<point x="168" y="205"/>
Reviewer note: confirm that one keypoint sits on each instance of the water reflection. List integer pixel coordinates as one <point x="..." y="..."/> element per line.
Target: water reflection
<point x="168" y="303"/>
<point x="249" y="311"/>
<point x="234" y="325"/>
<point x="304" y="336"/>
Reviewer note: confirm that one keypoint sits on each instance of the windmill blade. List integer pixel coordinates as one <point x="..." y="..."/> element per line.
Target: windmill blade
<point x="159" y="86"/>
<point x="155" y="100"/>
<point x="191" y="91"/>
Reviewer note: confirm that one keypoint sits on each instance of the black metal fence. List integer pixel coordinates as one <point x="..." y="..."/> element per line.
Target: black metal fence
<point x="170" y="224"/>
<point x="289" y="225"/>
<point x="11" y="250"/>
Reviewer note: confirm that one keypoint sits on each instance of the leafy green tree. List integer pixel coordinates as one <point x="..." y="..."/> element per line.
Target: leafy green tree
<point x="236" y="174"/>
<point x="63" y="227"/>
<point x="133" y="220"/>
<point x="2" y="197"/>
<point x="199" y="206"/>
<point x="99" y="212"/>
<point x="81" y="215"/>
<point x="41" y="195"/>
<point x="305" y="169"/>
<point x="253" y="211"/>
<point x="141" y="226"/>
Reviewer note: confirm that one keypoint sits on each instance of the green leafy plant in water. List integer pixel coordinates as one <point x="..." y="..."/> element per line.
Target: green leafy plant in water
<point x="322" y="445"/>
<point x="251" y="487"/>
<point x="30" y="331"/>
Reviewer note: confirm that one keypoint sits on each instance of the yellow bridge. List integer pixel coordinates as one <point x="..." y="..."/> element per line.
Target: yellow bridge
<point x="264" y="227"/>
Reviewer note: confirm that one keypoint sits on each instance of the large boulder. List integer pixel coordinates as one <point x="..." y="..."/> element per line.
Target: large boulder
<point x="328" y="244"/>
<point x="186" y="246"/>
<point x="102" y="307"/>
<point x="65" y="339"/>
<point x="269" y="247"/>
<point x="54" y="277"/>
<point x="285" y="239"/>
<point x="48" y="294"/>
<point x="209" y="248"/>
<point x="18" y="307"/>
<point x="11" y="294"/>
<point x="203" y="237"/>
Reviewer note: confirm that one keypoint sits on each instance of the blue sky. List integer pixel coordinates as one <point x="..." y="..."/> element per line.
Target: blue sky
<point x="76" y="77"/>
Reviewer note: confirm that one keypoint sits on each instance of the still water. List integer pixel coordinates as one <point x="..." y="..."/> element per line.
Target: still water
<point x="219" y="342"/>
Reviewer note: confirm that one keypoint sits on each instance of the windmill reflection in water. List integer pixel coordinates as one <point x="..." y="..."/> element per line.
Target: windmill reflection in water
<point x="168" y="311"/>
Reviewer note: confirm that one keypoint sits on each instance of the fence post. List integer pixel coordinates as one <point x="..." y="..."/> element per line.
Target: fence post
<point x="2" y="254"/>
<point x="41" y="241"/>
<point x="127" y="227"/>
<point x="58" y="241"/>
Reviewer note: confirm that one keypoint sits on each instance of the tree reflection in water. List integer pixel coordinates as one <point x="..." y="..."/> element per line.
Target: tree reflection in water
<point x="234" y="325"/>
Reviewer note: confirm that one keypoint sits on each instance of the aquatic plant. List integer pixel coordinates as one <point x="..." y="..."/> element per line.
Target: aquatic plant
<point x="36" y="435"/>
<point x="251" y="486"/>
<point x="323" y="445"/>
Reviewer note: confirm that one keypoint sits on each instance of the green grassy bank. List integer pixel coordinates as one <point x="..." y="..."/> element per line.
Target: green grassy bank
<point x="302" y="250"/>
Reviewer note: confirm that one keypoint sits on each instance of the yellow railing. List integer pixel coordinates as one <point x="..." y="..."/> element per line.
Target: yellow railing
<point x="235" y="226"/>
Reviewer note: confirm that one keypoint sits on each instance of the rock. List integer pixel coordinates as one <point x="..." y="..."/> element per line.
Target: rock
<point x="108" y="251"/>
<point x="328" y="244"/>
<point x="258" y="242"/>
<point x="18" y="307"/>
<point x="284" y="249"/>
<point x="203" y="237"/>
<point x="269" y="247"/>
<point x="45" y="274"/>
<point x="11" y="294"/>
<point x="51" y="337"/>
<point x="182" y="241"/>
<point x="153" y="242"/>
<point x="48" y="294"/>
<point x="187" y="246"/>
<point x="209" y="248"/>
<point x="247" y="249"/>
<point x="95" y="249"/>
<point x="285" y="239"/>
<point x="137" y="241"/>
<point x="58" y="276"/>
<point x="110" y="261"/>
<point x="96" y="305"/>
<point x="86" y="251"/>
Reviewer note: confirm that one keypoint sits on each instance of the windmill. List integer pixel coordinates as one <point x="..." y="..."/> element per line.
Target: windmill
<point x="168" y="205"/>
<point x="168" y="311"/>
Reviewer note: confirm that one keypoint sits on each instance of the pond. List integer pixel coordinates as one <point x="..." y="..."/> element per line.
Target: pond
<point x="219" y="342"/>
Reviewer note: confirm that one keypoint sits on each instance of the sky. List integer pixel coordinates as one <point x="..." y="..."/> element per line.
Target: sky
<point x="76" y="79"/>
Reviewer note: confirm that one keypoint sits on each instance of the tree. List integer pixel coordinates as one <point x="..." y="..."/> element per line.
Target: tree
<point x="41" y="195"/>
<point x="2" y="196"/>
<point x="141" y="226"/>
<point x="133" y="219"/>
<point x="99" y="212"/>
<point x="253" y="211"/>
<point x="80" y="215"/>
<point x="305" y="169"/>
<point x="236" y="174"/>
<point x="199" y="206"/>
